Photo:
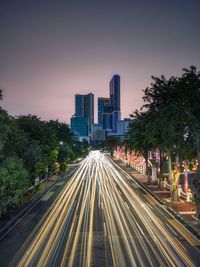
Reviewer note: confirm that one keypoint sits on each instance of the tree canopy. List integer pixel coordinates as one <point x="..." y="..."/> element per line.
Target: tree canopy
<point x="31" y="148"/>
<point x="169" y="118"/>
<point x="170" y="115"/>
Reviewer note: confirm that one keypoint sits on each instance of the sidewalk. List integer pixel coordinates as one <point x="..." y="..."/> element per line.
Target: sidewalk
<point x="187" y="210"/>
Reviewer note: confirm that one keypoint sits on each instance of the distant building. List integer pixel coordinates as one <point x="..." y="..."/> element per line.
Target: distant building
<point x="122" y="126"/>
<point x="115" y="118"/>
<point x="107" y="121"/>
<point x="103" y="107"/>
<point x="79" y="106"/>
<point x="80" y="125"/>
<point x="109" y="115"/>
<point x="84" y="107"/>
<point x="115" y="102"/>
<point x="98" y="134"/>
<point x="109" y="108"/>
<point x="115" y="93"/>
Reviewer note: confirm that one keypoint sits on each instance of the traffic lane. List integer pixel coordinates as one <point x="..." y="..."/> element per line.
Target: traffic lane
<point x="182" y="235"/>
<point x="166" y="235"/>
<point x="55" y="232"/>
<point x="19" y="238"/>
<point x="125" y="239"/>
<point x="81" y="254"/>
<point x="150" y="246"/>
<point x="150" y="200"/>
<point x="119" y="235"/>
<point x="28" y="207"/>
<point x="50" y="251"/>
<point x="125" y="247"/>
<point x="100" y="243"/>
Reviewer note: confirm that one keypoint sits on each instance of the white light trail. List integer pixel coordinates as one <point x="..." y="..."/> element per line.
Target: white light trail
<point x="133" y="234"/>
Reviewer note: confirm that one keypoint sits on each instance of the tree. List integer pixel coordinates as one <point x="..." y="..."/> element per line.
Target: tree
<point x="68" y="149"/>
<point x="30" y="148"/>
<point x="41" y="152"/>
<point x="137" y="137"/>
<point x="112" y="142"/>
<point x="190" y="82"/>
<point x="80" y="149"/>
<point x="13" y="182"/>
<point x="62" y="130"/>
<point x="173" y="123"/>
<point x="166" y="129"/>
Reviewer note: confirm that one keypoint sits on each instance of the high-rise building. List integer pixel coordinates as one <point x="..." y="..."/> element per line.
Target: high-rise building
<point x="103" y="107"/>
<point x="79" y="125"/>
<point x="107" y="121"/>
<point x="115" y="93"/>
<point x="79" y="105"/>
<point x="84" y="107"/>
<point x="109" y="108"/>
<point x="115" y="102"/>
<point x="116" y="117"/>
<point x="122" y="126"/>
<point x="98" y="134"/>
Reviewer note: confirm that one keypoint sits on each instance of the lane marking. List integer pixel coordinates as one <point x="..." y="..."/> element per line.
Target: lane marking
<point x="47" y="197"/>
<point x="60" y="183"/>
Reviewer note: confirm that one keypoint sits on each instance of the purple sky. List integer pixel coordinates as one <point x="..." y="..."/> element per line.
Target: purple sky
<point x="51" y="50"/>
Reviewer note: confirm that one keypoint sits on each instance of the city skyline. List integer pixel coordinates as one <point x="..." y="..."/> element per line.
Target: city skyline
<point x="109" y="113"/>
<point x="50" y="52"/>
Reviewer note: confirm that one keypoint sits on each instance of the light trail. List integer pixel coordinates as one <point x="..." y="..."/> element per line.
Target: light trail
<point x="100" y="196"/>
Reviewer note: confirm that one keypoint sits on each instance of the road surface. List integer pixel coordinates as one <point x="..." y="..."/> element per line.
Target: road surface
<point x="104" y="218"/>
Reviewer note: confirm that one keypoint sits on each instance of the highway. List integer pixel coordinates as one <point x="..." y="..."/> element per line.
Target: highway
<point x="104" y="218"/>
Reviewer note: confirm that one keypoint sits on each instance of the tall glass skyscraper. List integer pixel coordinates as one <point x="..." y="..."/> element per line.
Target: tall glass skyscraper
<point x="115" y="93"/>
<point x="115" y="101"/>
<point x="84" y="107"/>
<point x="109" y="108"/>
<point x="116" y="117"/>
<point x="80" y="125"/>
<point x="79" y="105"/>
<point x="103" y="107"/>
<point x="107" y="121"/>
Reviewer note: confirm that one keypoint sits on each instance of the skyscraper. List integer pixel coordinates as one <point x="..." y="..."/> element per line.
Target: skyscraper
<point x="109" y="108"/>
<point x="103" y="107"/>
<point x="115" y="101"/>
<point x="107" y="121"/>
<point x="84" y="107"/>
<point x="80" y="125"/>
<point x="79" y="105"/>
<point x="116" y="117"/>
<point x="115" y="93"/>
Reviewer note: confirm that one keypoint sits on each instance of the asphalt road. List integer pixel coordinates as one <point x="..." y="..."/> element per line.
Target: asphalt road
<point x="100" y="217"/>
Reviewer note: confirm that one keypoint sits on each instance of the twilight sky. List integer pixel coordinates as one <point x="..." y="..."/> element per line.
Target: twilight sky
<point x="52" y="49"/>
